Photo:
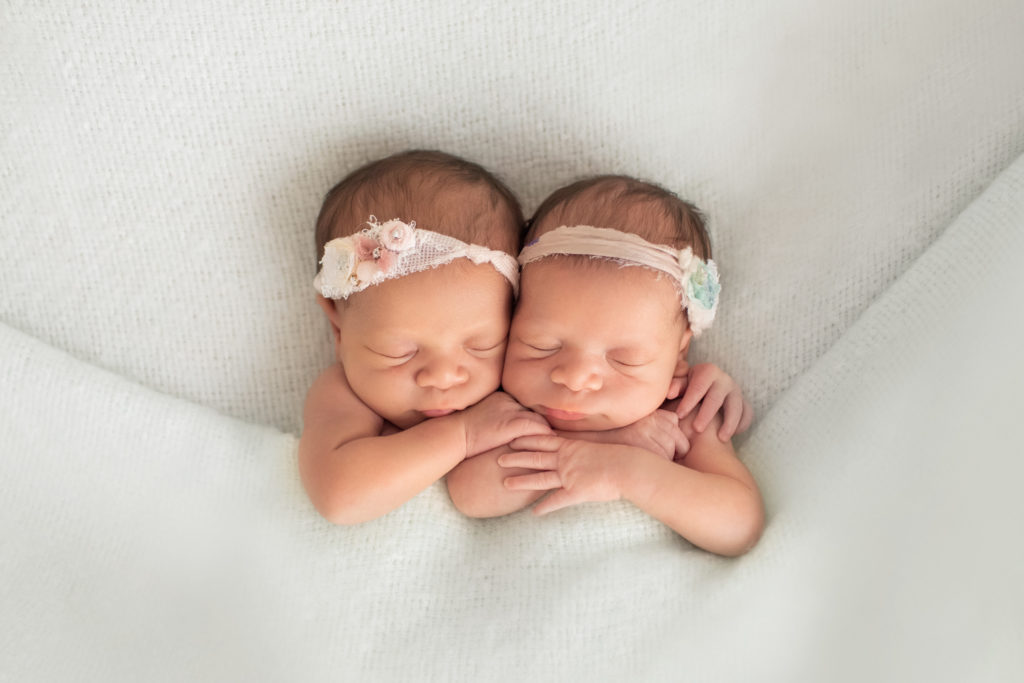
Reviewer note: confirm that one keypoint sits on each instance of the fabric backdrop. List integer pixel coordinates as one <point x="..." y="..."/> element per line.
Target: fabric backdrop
<point x="163" y="166"/>
<point x="160" y="171"/>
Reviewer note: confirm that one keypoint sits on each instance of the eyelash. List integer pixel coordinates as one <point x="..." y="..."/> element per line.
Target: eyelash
<point x="540" y="349"/>
<point x="487" y="349"/>
<point x="404" y="357"/>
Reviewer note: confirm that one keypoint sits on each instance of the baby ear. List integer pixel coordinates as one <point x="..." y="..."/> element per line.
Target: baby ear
<point x="681" y="373"/>
<point x="332" y="316"/>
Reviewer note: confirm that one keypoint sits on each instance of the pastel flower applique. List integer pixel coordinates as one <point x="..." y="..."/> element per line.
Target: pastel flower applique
<point x="337" y="274"/>
<point x="374" y="261"/>
<point x="367" y="257"/>
<point x="398" y="236"/>
<point x="392" y="249"/>
<point x="702" y="288"/>
<point x="703" y="285"/>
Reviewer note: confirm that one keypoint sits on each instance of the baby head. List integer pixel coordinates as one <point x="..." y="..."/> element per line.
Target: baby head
<point x="616" y="280"/>
<point x="419" y="299"/>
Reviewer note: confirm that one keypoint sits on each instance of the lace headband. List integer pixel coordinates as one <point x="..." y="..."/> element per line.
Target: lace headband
<point x="392" y="249"/>
<point x="695" y="279"/>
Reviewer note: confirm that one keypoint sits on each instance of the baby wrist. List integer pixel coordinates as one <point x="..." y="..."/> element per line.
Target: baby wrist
<point x="633" y="476"/>
<point x="459" y="425"/>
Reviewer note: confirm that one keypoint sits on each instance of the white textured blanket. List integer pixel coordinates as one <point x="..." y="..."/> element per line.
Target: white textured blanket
<point x="160" y="172"/>
<point x="146" y="538"/>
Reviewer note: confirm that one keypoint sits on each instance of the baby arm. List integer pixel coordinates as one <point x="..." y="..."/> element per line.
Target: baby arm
<point x="476" y="485"/>
<point x="708" y="497"/>
<point x="352" y="473"/>
<point x="477" y="490"/>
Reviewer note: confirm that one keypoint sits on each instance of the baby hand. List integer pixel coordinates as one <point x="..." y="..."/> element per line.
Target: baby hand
<point x="658" y="433"/>
<point x="496" y="420"/>
<point x="709" y="386"/>
<point x="578" y="471"/>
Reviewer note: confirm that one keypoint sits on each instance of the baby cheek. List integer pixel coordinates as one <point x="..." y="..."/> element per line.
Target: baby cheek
<point x="517" y="378"/>
<point x="651" y="396"/>
<point x="486" y="374"/>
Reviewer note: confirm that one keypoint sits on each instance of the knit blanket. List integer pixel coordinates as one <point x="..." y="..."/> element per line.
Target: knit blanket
<point x="860" y="167"/>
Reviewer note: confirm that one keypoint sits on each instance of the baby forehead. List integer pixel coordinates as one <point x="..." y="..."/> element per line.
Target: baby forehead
<point x="569" y="286"/>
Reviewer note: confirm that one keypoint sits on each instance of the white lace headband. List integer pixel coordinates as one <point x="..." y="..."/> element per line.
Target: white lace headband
<point x="696" y="280"/>
<point x="392" y="249"/>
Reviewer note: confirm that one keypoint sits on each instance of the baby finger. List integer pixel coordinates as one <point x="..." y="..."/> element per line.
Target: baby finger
<point x="714" y="400"/>
<point x="537" y="481"/>
<point x="696" y="389"/>
<point x="534" y="460"/>
<point x="682" y="444"/>
<point x="732" y="412"/>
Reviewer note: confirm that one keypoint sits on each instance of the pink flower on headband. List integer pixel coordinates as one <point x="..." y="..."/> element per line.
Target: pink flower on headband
<point x="365" y="246"/>
<point x="372" y="260"/>
<point x="398" y="236"/>
<point x="393" y="249"/>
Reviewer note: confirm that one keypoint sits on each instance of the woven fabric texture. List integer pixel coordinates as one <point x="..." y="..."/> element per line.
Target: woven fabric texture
<point x="161" y="169"/>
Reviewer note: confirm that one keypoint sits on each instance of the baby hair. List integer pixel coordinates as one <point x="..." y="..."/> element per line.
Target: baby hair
<point x="441" y="192"/>
<point x="628" y="205"/>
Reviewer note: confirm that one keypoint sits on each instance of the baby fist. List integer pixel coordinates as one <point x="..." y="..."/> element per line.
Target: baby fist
<point x="498" y="419"/>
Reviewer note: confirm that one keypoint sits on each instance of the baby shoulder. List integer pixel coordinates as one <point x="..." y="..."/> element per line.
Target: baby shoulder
<point x="330" y="393"/>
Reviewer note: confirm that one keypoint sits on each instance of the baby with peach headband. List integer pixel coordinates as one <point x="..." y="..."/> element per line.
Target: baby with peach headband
<point x="617" y="280"/>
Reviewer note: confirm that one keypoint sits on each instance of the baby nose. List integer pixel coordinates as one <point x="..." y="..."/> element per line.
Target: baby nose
<point x="577" y="374"/>
<point x="441" y="373"/>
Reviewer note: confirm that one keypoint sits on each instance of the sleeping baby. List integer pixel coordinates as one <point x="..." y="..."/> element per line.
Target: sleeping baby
<point x="616" y="282"/>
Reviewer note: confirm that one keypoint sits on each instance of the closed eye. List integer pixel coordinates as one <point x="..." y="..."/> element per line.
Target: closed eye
<point x="392" y="355"/>
<point x="537" y="347"/>
<point x="628" y="363"/>
<point x="485" y="349"/>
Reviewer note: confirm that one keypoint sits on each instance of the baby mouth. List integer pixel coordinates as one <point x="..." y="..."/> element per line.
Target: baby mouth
<point x="559" y="414"/>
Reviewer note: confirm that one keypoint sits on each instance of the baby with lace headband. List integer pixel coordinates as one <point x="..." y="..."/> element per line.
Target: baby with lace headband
<point x="417" y="281"/>
<point x="616" y="281"/>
